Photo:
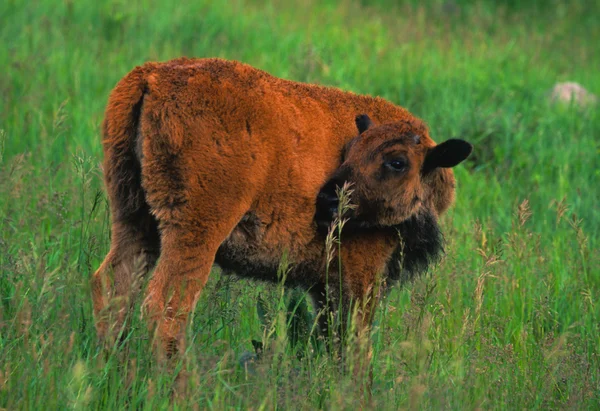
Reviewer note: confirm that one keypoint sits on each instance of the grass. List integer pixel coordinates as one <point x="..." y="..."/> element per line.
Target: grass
<point x="509" y="318"/>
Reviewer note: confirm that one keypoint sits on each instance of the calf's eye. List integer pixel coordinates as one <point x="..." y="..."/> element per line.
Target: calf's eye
<point x="398" y="164"/>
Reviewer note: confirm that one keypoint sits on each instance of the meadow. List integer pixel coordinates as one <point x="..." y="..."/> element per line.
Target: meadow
<point x="509" y="319"/>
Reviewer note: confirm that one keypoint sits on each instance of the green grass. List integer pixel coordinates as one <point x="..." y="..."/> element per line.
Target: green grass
<point x="508" y="320"/>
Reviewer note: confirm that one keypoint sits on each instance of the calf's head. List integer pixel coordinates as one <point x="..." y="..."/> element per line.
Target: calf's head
<point x="392" y="168"/>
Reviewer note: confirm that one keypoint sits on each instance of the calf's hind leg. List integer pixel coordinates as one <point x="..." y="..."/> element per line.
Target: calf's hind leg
<point x="187" y="255"/>
<point x="134" y="248"/>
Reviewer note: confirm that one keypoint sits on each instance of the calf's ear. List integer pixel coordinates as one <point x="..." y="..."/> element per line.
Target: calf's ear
<point x="447" y="154"/>
<point x="363" y="123"/>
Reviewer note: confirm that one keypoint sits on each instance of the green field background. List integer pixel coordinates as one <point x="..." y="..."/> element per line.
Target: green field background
<point x="508" y="320"/>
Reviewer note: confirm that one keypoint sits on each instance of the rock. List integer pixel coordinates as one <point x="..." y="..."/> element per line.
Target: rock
<point x="572" y="92"/>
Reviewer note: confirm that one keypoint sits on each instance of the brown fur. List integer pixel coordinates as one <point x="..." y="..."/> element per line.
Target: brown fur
<point x="208" y="160"/>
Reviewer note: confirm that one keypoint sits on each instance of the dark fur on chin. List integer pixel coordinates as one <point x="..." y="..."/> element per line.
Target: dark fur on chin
<point x="422" y="245"/>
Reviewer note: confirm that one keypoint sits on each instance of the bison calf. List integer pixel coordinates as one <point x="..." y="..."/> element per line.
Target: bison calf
<point x="213" y="161"/>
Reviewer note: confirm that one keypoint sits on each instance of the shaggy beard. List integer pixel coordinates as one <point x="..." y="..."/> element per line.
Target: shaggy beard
<point x="420" y="239"/>
<point x="421" y="244"/>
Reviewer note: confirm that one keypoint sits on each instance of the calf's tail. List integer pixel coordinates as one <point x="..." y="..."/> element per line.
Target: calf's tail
<point x="121" y="142"/>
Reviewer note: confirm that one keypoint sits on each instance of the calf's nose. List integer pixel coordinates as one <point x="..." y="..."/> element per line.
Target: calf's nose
<point x="326" y="210"/>
<point x="329" y="201"/>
